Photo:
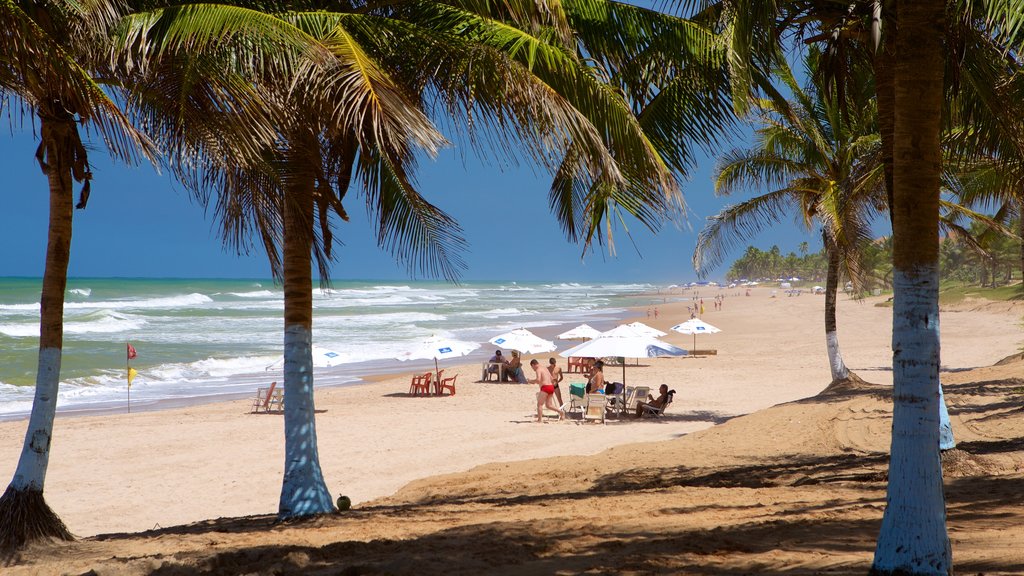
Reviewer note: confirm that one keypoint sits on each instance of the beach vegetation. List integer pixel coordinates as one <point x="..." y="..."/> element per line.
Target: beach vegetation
<point x="821" y="165"/>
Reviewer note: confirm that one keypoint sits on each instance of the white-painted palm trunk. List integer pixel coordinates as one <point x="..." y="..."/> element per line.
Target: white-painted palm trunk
<point x="303" y="492"/>
<point x="835" y="358"/>
<point x="946" y="439"/>
<point x="913" y="536"/>
<point x="35" y="453"/>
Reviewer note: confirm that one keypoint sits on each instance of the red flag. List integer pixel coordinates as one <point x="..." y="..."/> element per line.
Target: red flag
<point x="131" y="352"/>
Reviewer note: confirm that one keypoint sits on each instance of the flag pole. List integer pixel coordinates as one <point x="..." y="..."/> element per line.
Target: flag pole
<point x="128" y="372"/>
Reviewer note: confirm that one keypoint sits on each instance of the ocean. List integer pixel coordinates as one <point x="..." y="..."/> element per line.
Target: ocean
<point x="200" y="340"/>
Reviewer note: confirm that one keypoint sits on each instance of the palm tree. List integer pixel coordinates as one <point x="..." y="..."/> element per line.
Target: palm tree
<point x="823" y="166"/>
<point x="913" y="539"/>
<point x="359" y="116"/>
<point x="47" y="58"/>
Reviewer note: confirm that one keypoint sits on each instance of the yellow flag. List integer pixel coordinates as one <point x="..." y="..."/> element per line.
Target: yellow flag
<point x="131" y="376"/>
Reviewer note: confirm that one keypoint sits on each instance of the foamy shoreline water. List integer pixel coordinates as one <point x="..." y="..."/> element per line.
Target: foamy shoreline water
<point x="203" y="341"/>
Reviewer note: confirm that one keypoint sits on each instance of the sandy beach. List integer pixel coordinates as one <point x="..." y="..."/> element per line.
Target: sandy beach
<point x="468" y="484"/>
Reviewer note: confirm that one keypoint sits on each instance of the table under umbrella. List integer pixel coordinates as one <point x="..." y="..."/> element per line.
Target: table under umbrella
<point x="438" y="348"/>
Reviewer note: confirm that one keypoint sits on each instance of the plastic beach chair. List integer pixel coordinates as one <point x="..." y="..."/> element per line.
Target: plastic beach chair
<point x="421" y="383"/>
<point x="446" y="384"/>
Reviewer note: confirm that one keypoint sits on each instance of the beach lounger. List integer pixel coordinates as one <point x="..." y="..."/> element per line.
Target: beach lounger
<point x="446" y="384"/>
<point x="656" y="412"/>
<point x="597" y="405"/>
<point x="616" y="394"/>
<point x="577" y="397"/>
<point x="421" y="383"/>
<point x="265" y="399"/>
<point x="636" y="396"/>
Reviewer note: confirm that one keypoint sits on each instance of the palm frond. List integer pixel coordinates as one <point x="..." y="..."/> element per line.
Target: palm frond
<point x="738" y="222"/>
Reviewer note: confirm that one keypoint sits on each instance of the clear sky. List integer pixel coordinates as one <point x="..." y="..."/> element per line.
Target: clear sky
<point x="140" y="223"/>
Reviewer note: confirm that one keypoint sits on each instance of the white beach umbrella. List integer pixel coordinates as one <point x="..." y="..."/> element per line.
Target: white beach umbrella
<point x="322" y="358"/>
<point x="524" y="341"/>
<point x="626" y="342"/>
<point x="581" y="332"/>
<point x="695" y="326"/>
<point x="326" y="358"/>
<point x="438" y="348"/>
<point x="647" y="330"/>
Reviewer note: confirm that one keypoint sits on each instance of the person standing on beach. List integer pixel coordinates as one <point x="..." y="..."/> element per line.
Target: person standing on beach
<point x="595" y="385"/>
<point x="547" y="390"/>
<point x="556" y="377"/>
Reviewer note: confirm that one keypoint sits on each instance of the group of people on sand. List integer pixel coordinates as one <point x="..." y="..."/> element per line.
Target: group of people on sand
<point x="548" y="378"/>
<point x="511" y="368"/>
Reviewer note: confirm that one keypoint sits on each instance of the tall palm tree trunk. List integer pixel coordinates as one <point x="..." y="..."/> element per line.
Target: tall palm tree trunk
<point x="913" y="538"/>
<point x="835" y="358"/>
<point x="303" y="492"/>
<point x="883" y="65"/>
<point x="1020" y="233"/>
<point x="24" y="514"/>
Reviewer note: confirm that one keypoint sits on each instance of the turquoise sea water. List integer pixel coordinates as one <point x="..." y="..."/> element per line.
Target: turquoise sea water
<point x="211" y="338"/>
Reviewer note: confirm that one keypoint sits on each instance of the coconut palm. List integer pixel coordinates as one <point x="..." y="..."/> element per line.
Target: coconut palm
<point x="48" y="58"/>
<point x="62" y="62"/>
<point x="908" y="43"/>
<point x="823" y="166"/>
<point x="359" y="116"/>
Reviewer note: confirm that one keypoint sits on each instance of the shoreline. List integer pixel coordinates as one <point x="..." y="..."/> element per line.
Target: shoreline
<point x="127" y="473"/>
<point x="353" y="374"/>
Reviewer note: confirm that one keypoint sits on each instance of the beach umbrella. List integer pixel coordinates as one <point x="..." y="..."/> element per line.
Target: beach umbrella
<point x="322" y="358"/>
<point x="695" y="326"/>
<point x="438" y="348"/>
<point x="647" y="330"/>
<point x="626" y="342"/>
<point x="524" y="341"/>
<point x="581" y="332"/>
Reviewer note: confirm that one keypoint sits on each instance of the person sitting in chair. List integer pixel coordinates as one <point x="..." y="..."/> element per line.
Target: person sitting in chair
<point x="492" y="365"/>
<point x="514" y="369"/>
<point x="659" y="403"/>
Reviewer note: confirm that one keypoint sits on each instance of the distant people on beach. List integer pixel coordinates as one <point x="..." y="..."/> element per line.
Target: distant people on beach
<point x="545" y="396"/>
<point x="659" y="403"/>
<point x="556" y="377"/>
<point x="595" y="384"/>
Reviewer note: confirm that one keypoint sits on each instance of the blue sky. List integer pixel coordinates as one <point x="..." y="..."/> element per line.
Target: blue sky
<point x="140" y="223"/>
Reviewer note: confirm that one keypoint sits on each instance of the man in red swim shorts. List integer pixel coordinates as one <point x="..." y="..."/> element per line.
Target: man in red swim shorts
<point x="545" y="396"/>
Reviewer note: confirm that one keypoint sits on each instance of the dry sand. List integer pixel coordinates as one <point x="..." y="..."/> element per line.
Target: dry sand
<point x="469" y="485"/>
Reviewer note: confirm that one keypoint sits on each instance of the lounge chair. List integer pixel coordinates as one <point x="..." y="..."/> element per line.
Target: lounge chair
<point x="421" y="383"/>
<point x="616" y="394"/>
<point x="577" y="397"/>
<point x="446" y="384"/>
<point x="655" y="412"/>
<point x="597" y="405"/>
<point x="635" y="396"/>
<point x="266" y="399"/>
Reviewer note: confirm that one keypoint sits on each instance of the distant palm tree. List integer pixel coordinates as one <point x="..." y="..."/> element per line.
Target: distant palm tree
<point x="50" y="64"/>
<point x="822" y="166"/>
